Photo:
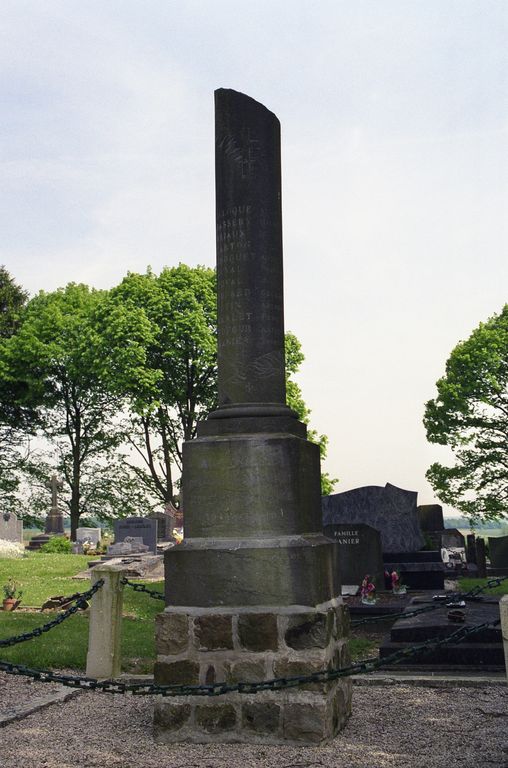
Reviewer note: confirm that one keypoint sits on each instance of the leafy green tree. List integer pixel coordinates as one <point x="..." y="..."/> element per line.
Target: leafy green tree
<point x="470" y="415"/>
<point x="174" y="316"/>
<point x="16" y="422"/>
<point x="294" y="398"/>
<point x="54" y="354"/>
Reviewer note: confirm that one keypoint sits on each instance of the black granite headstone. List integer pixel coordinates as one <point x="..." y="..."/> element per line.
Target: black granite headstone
<point x="144" y="527"/>
<point x="430" y="517"/>
<point x="391" y="510"/>
<point x="498" y="550"/>
<point x="359" y="553"/>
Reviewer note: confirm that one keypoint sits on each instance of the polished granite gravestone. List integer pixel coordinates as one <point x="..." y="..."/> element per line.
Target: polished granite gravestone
<point x="430" y="517"/>
<point x="498" y="551"/>
<point x="391" y="510"/>
<point x="11" y="529"/>
<point x="418" y="570"/>
<point x="360" y="553"/>
<point x="483" y="650"/>
<point x="137" y="527"/>
<point x="253" y="590"/>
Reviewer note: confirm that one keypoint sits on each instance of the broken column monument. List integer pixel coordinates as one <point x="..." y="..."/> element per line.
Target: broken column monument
<point x="253" y="592"/>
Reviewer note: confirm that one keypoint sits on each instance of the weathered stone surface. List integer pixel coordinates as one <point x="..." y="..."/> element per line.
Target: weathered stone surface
<point x="251" y="466"/>
<point x="261" y="717"/>
<point x="216" y="718"/>
<point x="171" y="633"/>
<point x="214" y="632"/>
<point x="288" y="668"/>
<point x="171" y="717"/>
<point x="307" y="722"/>
<point x="309" y="630"/>
<point x="176" y="672"/>
<point x="258" y="631"/>
<point x="302" y="572"/>
<point x="11" y="529"/>
<point x="246" y="672"/>
<point x="342" y="621"/>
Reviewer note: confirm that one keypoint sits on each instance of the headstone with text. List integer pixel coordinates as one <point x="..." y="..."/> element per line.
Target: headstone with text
<point x="11" y="529"/>
<point x="359" y="553"/>
<point x="90" y="535"/>
<point x="137" y="527"/>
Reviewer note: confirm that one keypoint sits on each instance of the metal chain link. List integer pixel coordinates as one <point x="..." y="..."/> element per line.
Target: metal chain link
<point x="218" y="689"/>
<point x="142" y="588"/>
<point x="81" y="599"/>
<point x="455" y="599"/>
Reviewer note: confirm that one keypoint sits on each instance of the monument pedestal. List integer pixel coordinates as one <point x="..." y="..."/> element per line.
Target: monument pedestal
<point x="199" y="645"/>
<point x="253" y="593"/>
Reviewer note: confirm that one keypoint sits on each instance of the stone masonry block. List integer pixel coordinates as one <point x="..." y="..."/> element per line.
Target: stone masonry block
<point x="171" y="717"/>
<point x="216" y="718"/>
<point x="288" y="668"/>
<point x="258" y="631"/>
<point x="261" y="717"/>
<point x="246" y="672"/>
<point x="176" y="672"/>
<point x="307" y="722"/>
<point x="214" y="632"/>
<point x="171" y="633"/>
<point x="309" y="630"/>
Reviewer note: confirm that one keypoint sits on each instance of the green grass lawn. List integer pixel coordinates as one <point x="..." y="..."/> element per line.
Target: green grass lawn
<point x="466" y="584"/>
<point x="42" y="576"/>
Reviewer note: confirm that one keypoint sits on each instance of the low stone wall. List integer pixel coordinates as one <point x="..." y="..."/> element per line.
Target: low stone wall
<point x="215" y="645"/>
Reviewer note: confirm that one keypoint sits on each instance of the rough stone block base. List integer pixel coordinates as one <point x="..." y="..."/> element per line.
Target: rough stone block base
<point x="249" y="645"/>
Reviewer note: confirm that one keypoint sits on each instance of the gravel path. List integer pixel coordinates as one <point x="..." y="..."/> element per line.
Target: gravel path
<point x="399" y="726"/>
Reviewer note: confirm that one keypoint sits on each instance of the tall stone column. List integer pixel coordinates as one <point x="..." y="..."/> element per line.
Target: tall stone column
<point x="252" y="592"/>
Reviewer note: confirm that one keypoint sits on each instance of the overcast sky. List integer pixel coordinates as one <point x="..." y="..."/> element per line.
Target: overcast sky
<point x="395" y="178"/>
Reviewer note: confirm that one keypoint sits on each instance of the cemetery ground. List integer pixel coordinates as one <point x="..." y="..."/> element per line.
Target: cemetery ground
<point x="393" y="725"/>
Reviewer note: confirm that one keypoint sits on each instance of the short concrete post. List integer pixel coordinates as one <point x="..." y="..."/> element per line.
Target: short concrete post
<point x="104" y="659"/>
<point x="503" y="610"/>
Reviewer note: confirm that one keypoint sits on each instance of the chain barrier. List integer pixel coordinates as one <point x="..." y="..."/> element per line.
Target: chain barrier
<point x="455" y="600"/>
<point x="142" y="588"/>
<point x="81" y="599"/>
<point x="218" y="689"/>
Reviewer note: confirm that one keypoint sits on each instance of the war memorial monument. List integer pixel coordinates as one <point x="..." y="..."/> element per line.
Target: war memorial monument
<point x="253" y="591"/>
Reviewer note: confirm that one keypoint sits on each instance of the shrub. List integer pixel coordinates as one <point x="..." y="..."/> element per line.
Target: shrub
<point x="11" y="549"/>
<point x="57" y="544"/>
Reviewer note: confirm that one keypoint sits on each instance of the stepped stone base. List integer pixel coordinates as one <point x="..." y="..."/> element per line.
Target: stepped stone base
<point x="207" y="645"/>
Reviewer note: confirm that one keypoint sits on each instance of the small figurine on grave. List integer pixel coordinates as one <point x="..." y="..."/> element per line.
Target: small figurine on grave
<point x="368" y="591"/>
<point x="398" y="588"/>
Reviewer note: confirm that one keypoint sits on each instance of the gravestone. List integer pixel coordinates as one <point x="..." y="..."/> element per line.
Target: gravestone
<point x="54" y="524"/>
<point x="165" y="523"/>
<point x="253" y="590"/>
<point x="91" y="535"/>
<point x="11" y="529"/>
<point x="390" y="510"/>
<point x="137" y="527"/>
<point x="452" y="538"/>
<point x="359" y="553"/>
<point x="498" y="552"/>
<point x="430" y="517"/>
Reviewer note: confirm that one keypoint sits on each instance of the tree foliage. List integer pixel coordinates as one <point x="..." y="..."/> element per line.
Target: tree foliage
<point x="470" y="415"/>
<point x="15" y="421"/>
<point x="54" y="353"/>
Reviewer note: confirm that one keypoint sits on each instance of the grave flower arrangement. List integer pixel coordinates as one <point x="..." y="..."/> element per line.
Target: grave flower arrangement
<point x="398" y="588"/>
<point x="368" y="591"/>
<point x="12" y="595"/>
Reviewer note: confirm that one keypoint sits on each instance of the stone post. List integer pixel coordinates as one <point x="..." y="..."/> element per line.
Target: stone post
<point x="104" y="658"/>
<point x="253" y="590"/>
<point x="503" y="610"/>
